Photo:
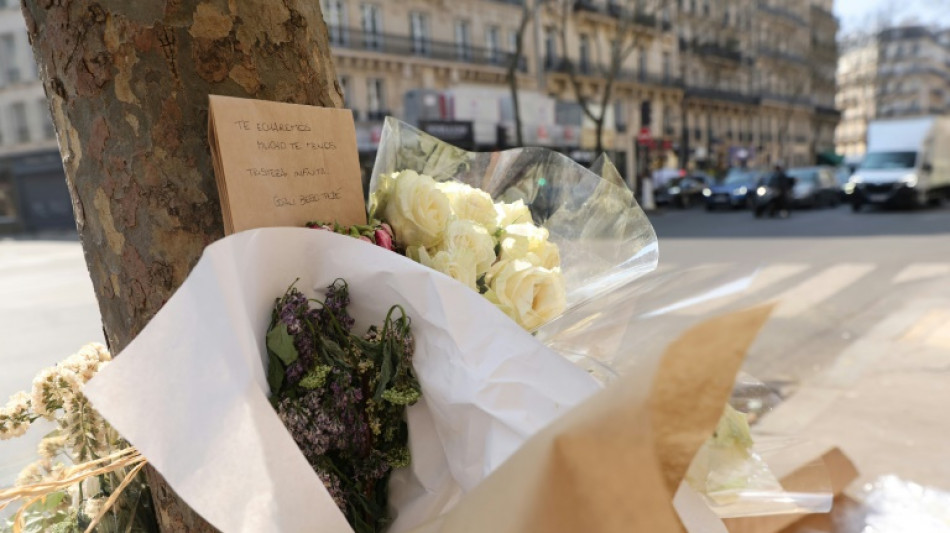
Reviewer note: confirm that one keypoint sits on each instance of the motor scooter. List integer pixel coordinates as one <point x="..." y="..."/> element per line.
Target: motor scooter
<point x="768" y="201"/>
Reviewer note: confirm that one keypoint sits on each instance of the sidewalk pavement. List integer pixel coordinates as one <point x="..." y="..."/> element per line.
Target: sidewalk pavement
<point x="885" y="400"/>
<point x="47" y="311"/>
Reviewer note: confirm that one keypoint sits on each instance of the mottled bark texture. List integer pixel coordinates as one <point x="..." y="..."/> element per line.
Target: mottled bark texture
<point x="128" y="85"/>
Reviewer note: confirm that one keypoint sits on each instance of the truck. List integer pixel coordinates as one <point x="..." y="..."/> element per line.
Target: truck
<point x="907" y="163"/>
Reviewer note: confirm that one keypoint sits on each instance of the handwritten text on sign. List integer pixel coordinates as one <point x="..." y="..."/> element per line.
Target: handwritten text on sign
<point x="286" y="164"/>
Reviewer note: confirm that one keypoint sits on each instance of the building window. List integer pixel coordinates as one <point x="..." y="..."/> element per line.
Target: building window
<point x="335" y="16"/>
<point x="493" y="44"/>
<point x="642" y="60"/>
<point x="550" y="47"/>
<point x="667" y="67"/>
<point x="9" y="72"/>
<point x="376" y="98"/>
<point x="419" y="33"/>
<point x="372" y="24"/>
<point x="21" y="130"/>
<point x="49" y="132"/>
<point x="584" y="53"/>
<point x="463" y="40"/>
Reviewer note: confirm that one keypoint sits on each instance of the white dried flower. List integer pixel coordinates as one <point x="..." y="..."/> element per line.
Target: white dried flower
<point x="47" y="394"/>
<point x="50" y="447"/>
<point x="32" y="473"/>
<point x="92" y="506"/>
<point x="15" y="417"/>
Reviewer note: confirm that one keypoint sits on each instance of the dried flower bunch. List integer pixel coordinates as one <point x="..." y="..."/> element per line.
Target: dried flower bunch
<point x="343" y="396"/>
<point x="86" y="476"/>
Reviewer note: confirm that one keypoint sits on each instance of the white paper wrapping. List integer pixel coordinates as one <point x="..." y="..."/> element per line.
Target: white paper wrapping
<point x="190" y="391"/>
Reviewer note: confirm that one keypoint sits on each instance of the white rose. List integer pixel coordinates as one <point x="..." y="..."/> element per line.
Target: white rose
<point x="530" y="243"/>
<point x="514" y="213"/>
<point x="417" y="211"/>
<point x="469" y="203"/>
<point x="467" y="235"/>
<point x="529" y="294"/>
<point x="457" y="264"/>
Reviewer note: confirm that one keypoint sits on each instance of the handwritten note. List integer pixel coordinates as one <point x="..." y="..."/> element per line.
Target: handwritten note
<point x="282" y="164"/>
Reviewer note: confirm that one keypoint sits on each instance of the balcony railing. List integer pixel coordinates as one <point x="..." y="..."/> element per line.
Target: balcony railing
<point x="552" y="64"/>
<point x="825" y="110"/>
<point x="784" y="13"/>
<point x="621" y="13"/>
<point x="783" y="56"/>
<point x="728" y="52"/>
<point x="787" y="98"/>
<point x="720" y="94"/>
<point x="404" y="45"/>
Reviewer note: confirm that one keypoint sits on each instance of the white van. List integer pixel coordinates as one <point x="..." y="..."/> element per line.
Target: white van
<point x="907" y="163"/>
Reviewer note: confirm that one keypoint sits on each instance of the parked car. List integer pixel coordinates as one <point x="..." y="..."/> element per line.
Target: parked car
<point x="733" y="191"/>
<point x="683" y="192"/>
<point x="814" y="187"/>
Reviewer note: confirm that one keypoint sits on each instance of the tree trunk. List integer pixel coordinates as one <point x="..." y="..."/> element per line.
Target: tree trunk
<point x="512" y="72"/>
<point x="128" y="85"/>
<point x="599" y="133"/>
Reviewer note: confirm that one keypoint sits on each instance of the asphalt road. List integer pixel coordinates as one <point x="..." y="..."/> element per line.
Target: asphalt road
<point x="834" y="273"/>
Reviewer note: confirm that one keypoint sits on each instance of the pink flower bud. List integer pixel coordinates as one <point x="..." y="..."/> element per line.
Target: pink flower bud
<point x="384" y="239"/>
<point x="365" y="238"/>
<point x="388" y="229"/>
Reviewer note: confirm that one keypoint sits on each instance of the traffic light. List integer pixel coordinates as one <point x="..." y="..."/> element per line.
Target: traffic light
<point x="645" y="113"/>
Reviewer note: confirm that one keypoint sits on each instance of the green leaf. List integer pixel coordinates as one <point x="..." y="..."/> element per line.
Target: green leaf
<point x="53" y="500"/>
<point x="275" y="374"/>
<point x="281" y="343"/>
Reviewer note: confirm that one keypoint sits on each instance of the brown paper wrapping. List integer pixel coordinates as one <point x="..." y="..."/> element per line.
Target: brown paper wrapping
<point x="613" y="464"/>
<point x="280" y="164"/>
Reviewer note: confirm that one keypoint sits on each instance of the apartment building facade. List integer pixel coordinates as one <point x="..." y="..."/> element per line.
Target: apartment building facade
<point x="857" y="78"/>
<point x="33" y="194"/>
<point x="725" y="80"/>
<point x="896" y="72"/>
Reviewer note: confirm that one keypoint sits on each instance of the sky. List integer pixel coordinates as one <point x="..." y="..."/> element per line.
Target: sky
<point x="857" y="13"/>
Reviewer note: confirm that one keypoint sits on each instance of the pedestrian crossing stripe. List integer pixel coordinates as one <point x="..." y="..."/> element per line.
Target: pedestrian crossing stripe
<point x="821" y="285"/>
<point x="819" y="288"/>
<point x="922" y="271"/>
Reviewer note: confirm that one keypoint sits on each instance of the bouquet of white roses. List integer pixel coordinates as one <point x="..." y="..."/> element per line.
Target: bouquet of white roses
<point x="528" y="228"/>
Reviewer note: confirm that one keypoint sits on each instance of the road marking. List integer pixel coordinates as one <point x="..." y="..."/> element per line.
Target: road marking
<point x="819" y="288"/>
<point x="921" y="271"/>
<point x="929" y="324"/>
<point x="765" y="278"/>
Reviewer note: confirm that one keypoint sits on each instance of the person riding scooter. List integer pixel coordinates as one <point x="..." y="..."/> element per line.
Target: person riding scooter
<point x="774" y="194"/>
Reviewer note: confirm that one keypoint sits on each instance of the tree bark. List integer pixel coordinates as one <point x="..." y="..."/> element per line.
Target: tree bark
<point x="128" y="85"/>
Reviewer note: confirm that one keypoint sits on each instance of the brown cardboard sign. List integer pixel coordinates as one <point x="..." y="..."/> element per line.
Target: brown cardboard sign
<point x="280" y="164"/>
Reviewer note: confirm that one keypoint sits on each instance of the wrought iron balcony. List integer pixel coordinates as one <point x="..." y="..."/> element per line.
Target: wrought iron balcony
<point x="619" y="12"/>
<point x="404" y="45"/>
<point x="787" y="98"/>
<point x="783" y="56"/>
<point x="784" y="13"/>
<point x="552" y="64"/>
<point x="729" y="52"/>
<point x="720" y="94"/>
